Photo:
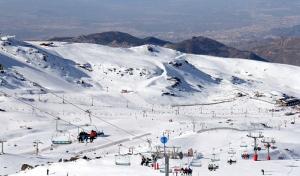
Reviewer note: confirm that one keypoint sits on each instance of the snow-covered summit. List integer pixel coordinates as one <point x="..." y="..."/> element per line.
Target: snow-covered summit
<point x="151" y="72"/>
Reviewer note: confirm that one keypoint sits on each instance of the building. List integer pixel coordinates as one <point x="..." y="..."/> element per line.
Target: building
<point x="288" y="101"/>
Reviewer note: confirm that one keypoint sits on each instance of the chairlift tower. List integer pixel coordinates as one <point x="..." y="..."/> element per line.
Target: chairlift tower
<point x="149" y="141"/>
<point x="268" y="142"/>
<point x="56" y="124"/>
<point x="255" y="136"/>
<point x="177" y="111"/>
<point x="36" y="145"/>
<point x="90" y="115"/>
<point x="194" y="125"/>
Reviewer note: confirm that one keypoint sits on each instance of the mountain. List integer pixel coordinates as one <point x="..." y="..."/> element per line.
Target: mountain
<point x="293" y="31"/>
<point x="113" y="38"/>
<point x="50" y="92"/>
<point x="155" y="41"/>
<point x="207" y="46"/>
<point x="196" y="45"/>
<point x="283" y="50"/>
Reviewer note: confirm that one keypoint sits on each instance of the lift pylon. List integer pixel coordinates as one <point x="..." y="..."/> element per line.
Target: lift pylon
<point x="268" y="142"/>
<point x="255" y="136"/>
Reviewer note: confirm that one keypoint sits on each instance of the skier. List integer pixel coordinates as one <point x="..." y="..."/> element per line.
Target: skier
<point x="190" y="171"/>
<point x="147" y="161"/>
<point x="143" y="160"/>
<point x="263" y="172"/>
<point x="47" y="171"/>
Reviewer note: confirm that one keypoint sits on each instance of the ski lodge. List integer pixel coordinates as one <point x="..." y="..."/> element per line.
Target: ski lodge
<point x="288" y="101"/>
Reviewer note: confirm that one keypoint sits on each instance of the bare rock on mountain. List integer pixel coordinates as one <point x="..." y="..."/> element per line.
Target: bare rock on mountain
<point x="280" y="50"/>
<point x="113" y="38"/>
<point x="206" y="46"/>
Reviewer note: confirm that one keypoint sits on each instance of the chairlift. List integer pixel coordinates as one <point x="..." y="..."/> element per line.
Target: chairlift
<point x="61" y="137"/>
<point x="122" y="160"/>
<point x="215" y="158"/>
<point x="243" y="144"/>
<point x="88" y="128"/>
<point x="231" y="151"/>
<point x="231" y="160"/>
<point x="245" y="155"/>
<point x="213" y="166"/>
<point x="163" y="170"/>
<point x="198" y="156"/>
<point x="196" y="163"/>
<point x="273" y="147"/>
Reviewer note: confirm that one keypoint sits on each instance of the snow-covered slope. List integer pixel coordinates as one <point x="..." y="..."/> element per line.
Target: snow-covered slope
<point x="135" y="89"/>
<point x="147" y="71"/>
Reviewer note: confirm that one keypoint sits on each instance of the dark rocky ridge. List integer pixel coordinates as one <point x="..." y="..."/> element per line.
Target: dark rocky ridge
<point x="284" y="50"/>
<point x="207" y="46"/>
<point x="196" y="45"/>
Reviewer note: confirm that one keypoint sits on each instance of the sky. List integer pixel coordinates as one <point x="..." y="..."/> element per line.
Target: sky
<point x="41" y="19"/>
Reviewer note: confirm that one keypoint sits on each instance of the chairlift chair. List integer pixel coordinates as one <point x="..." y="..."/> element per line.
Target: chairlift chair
<point x="273" y="147"/>
<point x="243" y="144"/>
<point x="88" y="128"/>
<point x="213" y="166"/>
<point x="196" y="163"/>
<point x="122" y="160"/>
<point x="231" y="160"/>
<point x="61" y="137"/>
<point x="216" y="158"/>
<point x="163" y="170"/>
<point x="231" y="151"/>
<point x="245" y="155"/>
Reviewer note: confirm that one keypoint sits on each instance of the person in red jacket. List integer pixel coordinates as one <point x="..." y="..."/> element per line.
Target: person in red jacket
<point x="93" y="135"/>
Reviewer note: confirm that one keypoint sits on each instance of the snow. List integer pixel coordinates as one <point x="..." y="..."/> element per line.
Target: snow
<point x="135" y="95"/>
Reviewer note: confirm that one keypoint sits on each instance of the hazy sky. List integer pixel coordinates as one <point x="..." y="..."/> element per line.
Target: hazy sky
<point x="37" y="19"/>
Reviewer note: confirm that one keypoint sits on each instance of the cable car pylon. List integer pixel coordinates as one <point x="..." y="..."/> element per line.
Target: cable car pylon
<point x="268" y="142"/>
<point x="255" y="136"/>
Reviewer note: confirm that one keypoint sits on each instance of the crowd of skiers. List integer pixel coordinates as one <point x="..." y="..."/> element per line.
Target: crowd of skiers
<point x="84" y="136"/>
<point x="182" y="171"/>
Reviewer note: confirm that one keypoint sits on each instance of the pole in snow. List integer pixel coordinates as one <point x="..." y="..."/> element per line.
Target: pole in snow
<point x="63" y="99"/>
<point x="164" y="140"/>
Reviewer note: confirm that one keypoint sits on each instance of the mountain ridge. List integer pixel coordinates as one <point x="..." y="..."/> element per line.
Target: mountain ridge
<point x="197" y="45"/>
<point x="283" y="50"/>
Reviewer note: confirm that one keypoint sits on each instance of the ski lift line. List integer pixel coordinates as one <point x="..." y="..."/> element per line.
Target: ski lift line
<point x="219" y="147"/>
<point x="55" y="117"/>
<point x="43" y="111"/>
<point x="97" y="117"/>
<point x="58" y="118"/>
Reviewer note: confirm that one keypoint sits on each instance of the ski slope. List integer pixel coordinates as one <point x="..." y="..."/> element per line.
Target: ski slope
<point x="134" y="95"/>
